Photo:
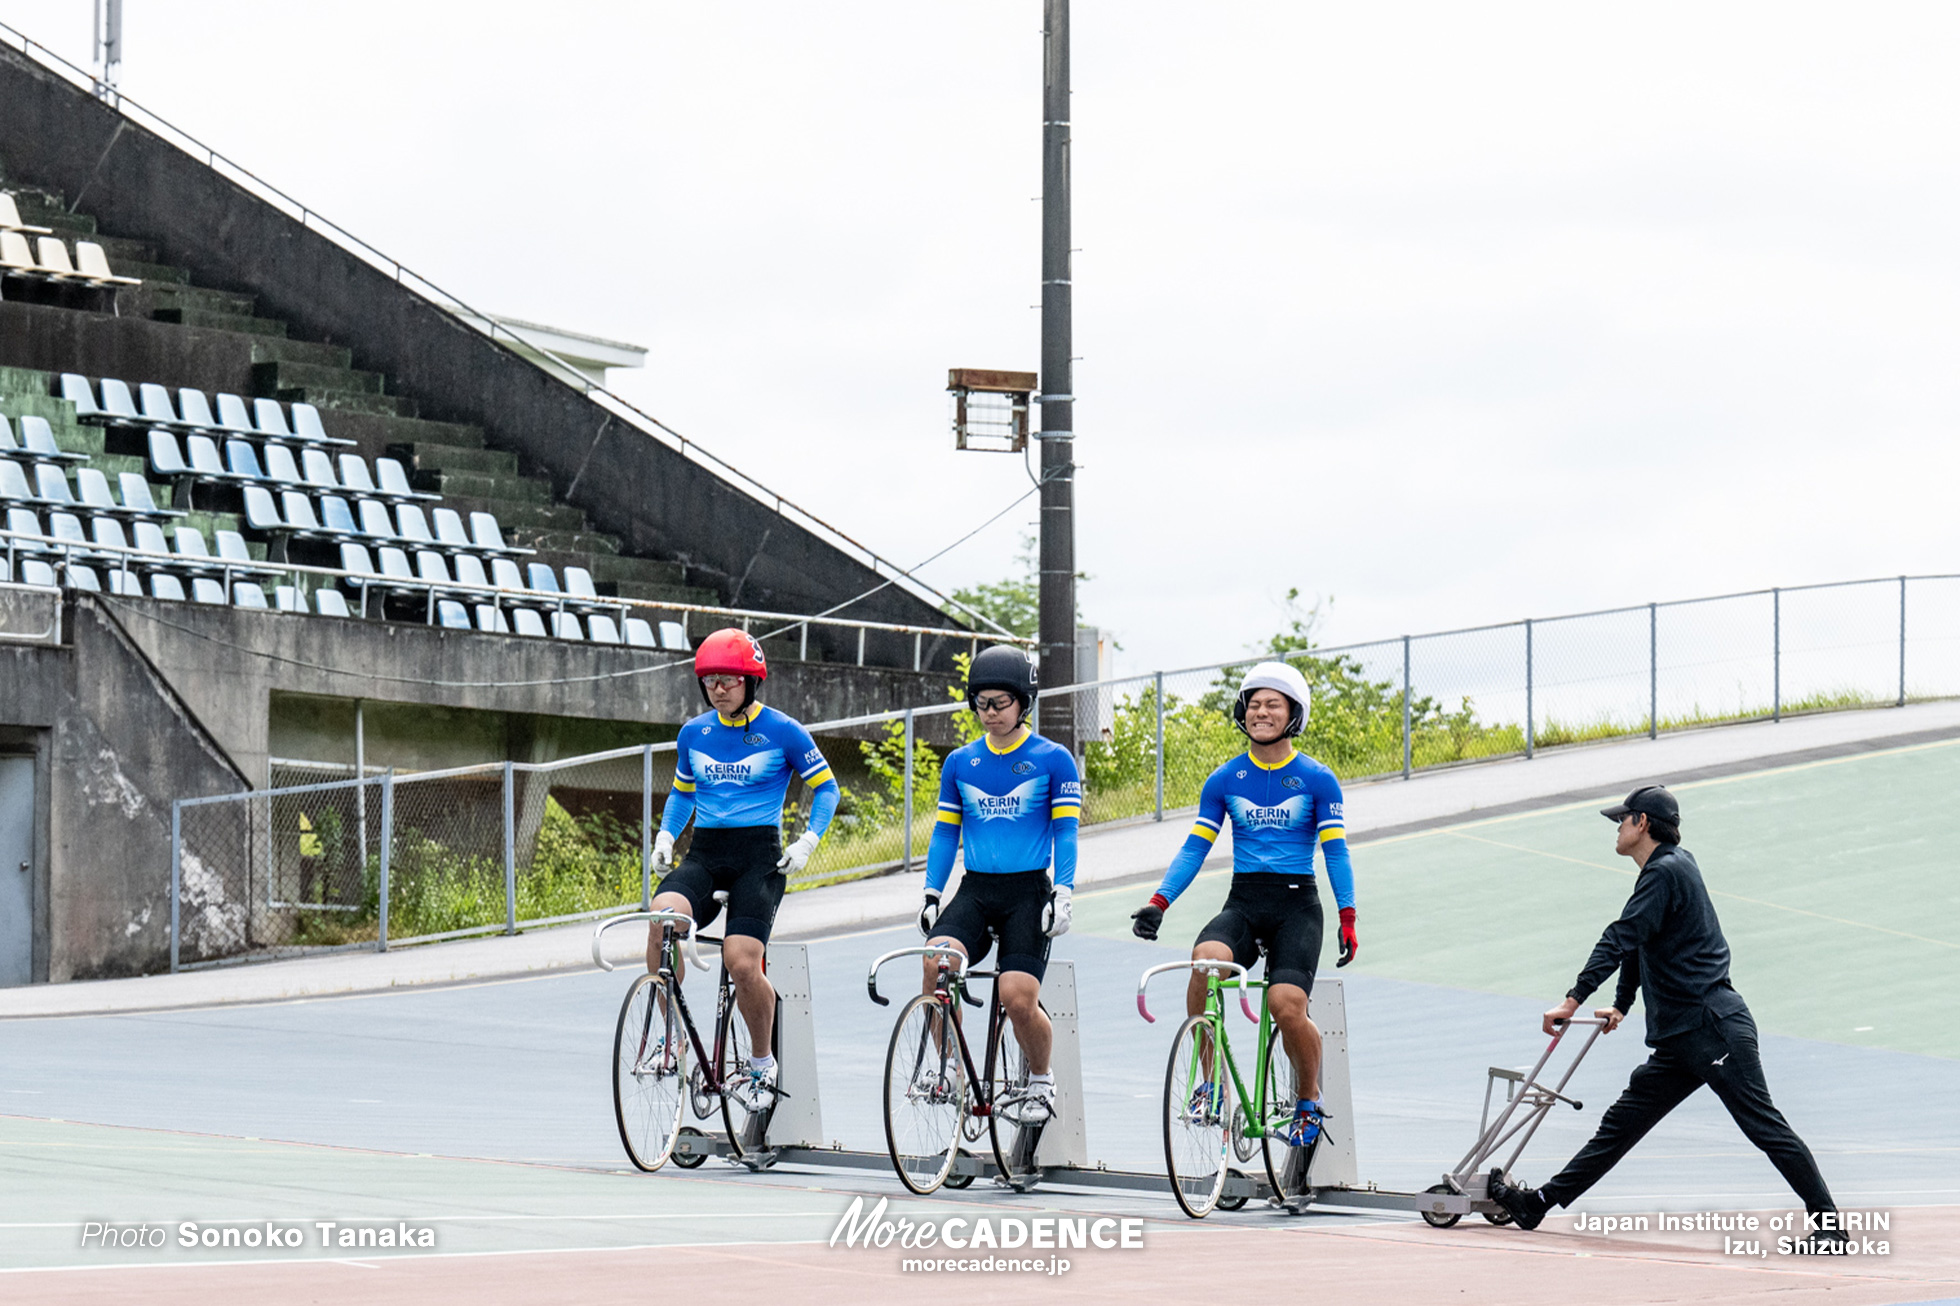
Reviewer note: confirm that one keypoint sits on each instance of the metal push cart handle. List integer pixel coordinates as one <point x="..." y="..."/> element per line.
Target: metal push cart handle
<point x="871" y="979"/>
<point x="690" y="944"/>
<point x="1206" y="965"/>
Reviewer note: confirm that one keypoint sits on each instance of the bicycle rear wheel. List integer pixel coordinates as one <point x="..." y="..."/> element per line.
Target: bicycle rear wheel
<point x="1006" y="1093"/>
<point x="1197" y="1117"/>
<point x="1286" y="1166"/>
<point x="649" y="1073"/>
<point x="926" y="1093"/>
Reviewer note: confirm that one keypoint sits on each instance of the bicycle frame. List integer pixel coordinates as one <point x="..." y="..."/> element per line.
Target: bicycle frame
<point x="671" y="945"/>
<point x="1219" y="975"/>
<point x="949" y="989"/>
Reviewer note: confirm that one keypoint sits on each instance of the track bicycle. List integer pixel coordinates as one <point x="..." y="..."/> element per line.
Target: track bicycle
<point x="652" y="1079"/>
<point x="1209" y="1118"/>
<point x="937" y="1097"/>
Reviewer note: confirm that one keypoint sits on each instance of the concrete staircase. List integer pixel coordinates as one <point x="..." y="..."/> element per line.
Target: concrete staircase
<point x="447" y="458"/>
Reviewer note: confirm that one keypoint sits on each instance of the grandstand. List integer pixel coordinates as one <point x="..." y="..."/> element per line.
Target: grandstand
<point x="252" y="476"/>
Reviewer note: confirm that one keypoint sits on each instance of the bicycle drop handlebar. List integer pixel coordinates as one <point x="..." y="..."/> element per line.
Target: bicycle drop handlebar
<point x="690" y="943"/>
<point x="871" y="979"/>
<point x="1207" y="965"/>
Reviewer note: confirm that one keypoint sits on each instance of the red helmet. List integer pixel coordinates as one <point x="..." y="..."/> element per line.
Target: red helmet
<point x="730" y="652"/>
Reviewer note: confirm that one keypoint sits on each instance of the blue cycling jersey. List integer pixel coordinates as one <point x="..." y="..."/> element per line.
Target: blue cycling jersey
<point x="1016" y="809"/>
<point x="734" y="771"/>
<point x="1279" y="814"/>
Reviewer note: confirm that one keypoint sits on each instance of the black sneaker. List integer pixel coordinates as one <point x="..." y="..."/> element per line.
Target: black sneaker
<point x="1526" y="1205"/>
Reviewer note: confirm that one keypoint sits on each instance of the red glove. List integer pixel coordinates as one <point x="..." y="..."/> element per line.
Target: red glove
<point x="1349" y="943"/>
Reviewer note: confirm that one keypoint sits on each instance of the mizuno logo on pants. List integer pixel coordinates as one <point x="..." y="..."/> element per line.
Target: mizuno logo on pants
<point x="1719" y="1060"/>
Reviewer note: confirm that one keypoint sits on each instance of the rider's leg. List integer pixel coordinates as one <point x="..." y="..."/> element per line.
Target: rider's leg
<point x="1288" y="1003"/>
<point x="755" y="996"/>
<point x="1020" y="994"/>
<point x="1194" y="992"/>
<point x="931" y="967"/>
<point x="669" y="901"/>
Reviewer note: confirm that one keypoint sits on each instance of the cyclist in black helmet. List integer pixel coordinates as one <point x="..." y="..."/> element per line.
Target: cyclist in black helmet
<point x="1013" y="799"/>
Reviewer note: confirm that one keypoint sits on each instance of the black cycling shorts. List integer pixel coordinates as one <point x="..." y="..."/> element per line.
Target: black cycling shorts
<point x="740" y="860"/>
<point x="1282" y="912"/>
<point x="1008" y="904"/>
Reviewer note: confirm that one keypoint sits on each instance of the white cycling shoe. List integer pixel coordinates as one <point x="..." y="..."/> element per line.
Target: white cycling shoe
<point x="755" y="1089"/>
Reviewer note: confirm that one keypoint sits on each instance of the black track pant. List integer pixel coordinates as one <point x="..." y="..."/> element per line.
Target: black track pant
<point x="1721" y="1054"/>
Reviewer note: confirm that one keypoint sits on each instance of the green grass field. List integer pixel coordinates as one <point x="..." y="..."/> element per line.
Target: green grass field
<point x="1836" y="881"/>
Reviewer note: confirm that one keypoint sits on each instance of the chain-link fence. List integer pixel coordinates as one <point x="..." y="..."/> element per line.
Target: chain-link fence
<point x="399" y="858"/>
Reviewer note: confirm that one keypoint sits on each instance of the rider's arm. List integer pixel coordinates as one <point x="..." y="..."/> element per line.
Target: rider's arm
<point x="816" y="773"/>
<point x="1065" y="818"/>
<point x="1629" y="986"/>
<point x="1204" y="831"/>
<point x="680" y="802"/>
<point x="945" y="843"/>
<point x="1332" y="834"/>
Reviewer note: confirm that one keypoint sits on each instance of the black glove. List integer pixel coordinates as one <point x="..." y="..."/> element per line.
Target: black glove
<point x="1147" y="920"/>
<point x="929" y="914"/>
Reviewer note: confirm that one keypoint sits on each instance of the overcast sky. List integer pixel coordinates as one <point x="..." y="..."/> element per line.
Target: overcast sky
<point x="1451" y="313"/>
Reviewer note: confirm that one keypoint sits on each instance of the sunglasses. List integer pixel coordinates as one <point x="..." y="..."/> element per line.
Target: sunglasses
<point x="722" y="682"/>
<point x="991" y="703"/>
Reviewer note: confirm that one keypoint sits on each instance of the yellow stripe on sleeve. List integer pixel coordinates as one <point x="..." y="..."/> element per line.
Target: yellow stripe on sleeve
<point x="1332" y="832"/>
<point x="1205" y="832"/>
<point x="1062" y="810"/>
<point x="823" y="776"/>
<point x="950" y="818"/>
<point x="683" y="786"/>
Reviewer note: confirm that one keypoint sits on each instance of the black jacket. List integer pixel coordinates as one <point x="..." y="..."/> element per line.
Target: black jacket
<point x="1668" y="944"/>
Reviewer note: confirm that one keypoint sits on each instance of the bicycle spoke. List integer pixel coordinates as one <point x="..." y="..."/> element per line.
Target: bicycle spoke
<point x="649" y="1073"/>
<point x="1198" y="1110"/>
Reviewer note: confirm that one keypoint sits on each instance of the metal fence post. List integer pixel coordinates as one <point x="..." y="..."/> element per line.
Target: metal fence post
<point x="1902" y="641"/>
<point x="1407" y="751"/>
<point x="908" y="788"/>
<point x="387" y="846"/>
<point x="1776" y="653"/>
<point x="510" y="848"/>
<point x="1530" y="716"/>
<point x="646" y="829"/>
<point x="1160" y="745"/>
<point x="360" y="773"/>
<point x="176" y="875"/>
<point x="1653" y="671"/>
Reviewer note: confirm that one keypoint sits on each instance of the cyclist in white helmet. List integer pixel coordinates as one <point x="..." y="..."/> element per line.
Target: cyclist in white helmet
<point x="1282" y="804"/>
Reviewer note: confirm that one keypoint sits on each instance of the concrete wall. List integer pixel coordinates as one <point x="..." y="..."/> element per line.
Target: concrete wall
<point x="658" y="501"/>
<point x="148" y="702"/>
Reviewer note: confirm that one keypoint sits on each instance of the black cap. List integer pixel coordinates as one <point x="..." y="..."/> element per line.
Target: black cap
<point x="1650" y="800"/>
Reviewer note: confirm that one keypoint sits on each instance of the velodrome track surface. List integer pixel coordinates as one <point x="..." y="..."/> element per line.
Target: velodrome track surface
<point x="483" y="1111"/>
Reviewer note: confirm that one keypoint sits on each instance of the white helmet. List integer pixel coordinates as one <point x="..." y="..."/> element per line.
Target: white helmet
<point x="1284" y="679"/>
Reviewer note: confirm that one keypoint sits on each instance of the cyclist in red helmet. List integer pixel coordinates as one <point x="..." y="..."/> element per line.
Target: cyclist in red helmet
<point x="731" y="773"/>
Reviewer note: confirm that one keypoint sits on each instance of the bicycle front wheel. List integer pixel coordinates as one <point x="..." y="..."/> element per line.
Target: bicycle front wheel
<point x="649" y="1073"/>
<point x="925" y="1095"/>
<point x="1197" y="1117"/>
<point x="1286" y="1166"/>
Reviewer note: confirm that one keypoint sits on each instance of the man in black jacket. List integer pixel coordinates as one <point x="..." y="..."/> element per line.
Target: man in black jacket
<point x="1668" y="945"/>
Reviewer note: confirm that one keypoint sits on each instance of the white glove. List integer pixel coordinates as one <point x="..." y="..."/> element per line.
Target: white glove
<point x="929" y="914"/>
<point x="798" y="852"/>
<point x="663" y="851"/>
<point x="1055" y="916"/>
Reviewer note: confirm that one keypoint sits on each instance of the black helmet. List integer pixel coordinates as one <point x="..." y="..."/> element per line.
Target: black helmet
<point x="1002" y="667"/>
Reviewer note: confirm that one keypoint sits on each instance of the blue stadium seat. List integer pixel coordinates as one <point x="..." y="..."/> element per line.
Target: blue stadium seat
<point x="81" y="578"/>
<point x="450" y="533"/>
<point x="330" y="603"/>
<point x="13" y="484"/>
<point x="136" y="495"/>
<point x="279" y="465"/>
<point x="196" y="410"/>
<point x="489" y="536"/>
<point x="108" y="532"/>
<point x="578" y="583"/>
<point x="490" y="619"/>
<point x="394" y="482"/>
<point x="50" y="486"/>
<point x="35" y="572"/>
<point x="505" y="575"/>
<point x="247" y="595"/>
<point x="411" y="525"/>
<point x="317" y="469"/>
<point x="543" y="578"/>
<point x="524" y="621"/>
<point x="306" y="426"/>
<point x="37" y="437"/>
<point x="233" y="415"/>
<point x="375" y="521"/>
<point x="673" y="637"/>
<point x="242" y="460"/>
<point x="354" y="474"/>
<point x="148" y="536"/>
<point x="118" y="405"/>
<point x="451" y="615"/>
<point x="206" y="590"/>
<point x="430" y="567"/>
<point x="287" y="598"/>
<point x="156" y="406"/>
<point x="565" y="626"/>
<point x="261" y="513"/>
<point x="469" y="570"/>
<point x="269" y="420"/>
<point x="337" y="517"/>
<point x="163" y="585"/>
<point x="602" y="629"/>
<point x="639" y="634"/>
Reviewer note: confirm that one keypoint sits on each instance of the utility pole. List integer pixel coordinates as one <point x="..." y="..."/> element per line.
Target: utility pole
<point x="108" y="47"/>
<point x="1057" y="388"/>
